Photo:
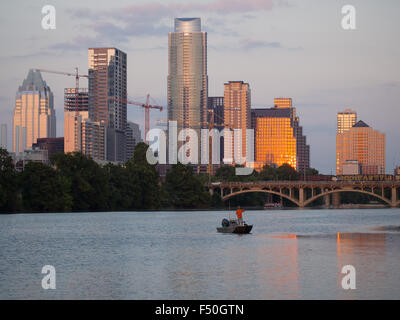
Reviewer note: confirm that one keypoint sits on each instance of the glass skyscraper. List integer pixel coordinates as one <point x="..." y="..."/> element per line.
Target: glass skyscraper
<point x="34" y="114"/>
<point x="187" y="74"/>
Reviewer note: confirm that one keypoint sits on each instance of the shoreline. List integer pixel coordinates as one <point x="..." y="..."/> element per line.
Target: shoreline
<point x="342" y="207"/>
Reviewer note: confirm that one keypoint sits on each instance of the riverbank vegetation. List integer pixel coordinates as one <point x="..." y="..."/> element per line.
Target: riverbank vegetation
<point x="74" y="182"/>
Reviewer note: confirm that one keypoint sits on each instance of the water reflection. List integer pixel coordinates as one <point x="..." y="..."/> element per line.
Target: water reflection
<point x="367" y="253"/>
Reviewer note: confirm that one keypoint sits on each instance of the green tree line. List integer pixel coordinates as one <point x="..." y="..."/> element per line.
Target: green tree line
<point x="75" y="182"/>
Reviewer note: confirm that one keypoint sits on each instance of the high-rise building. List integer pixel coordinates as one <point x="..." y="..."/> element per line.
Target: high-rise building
<point x="216" y="104"/>
<point x="133" y="137"/>
<point x="345" y="120"/>
<point x="34" y="114"/>
<point x="3" y="136"/>
<point x="94" y="139"/>
<point x="76" y="110"/>
<point x="283" y="103"/>
<point x="363" y="144"/>
<point x="279" y="137"/>
<point x="107" y="97"/>
<point x="237" y="103"/>
<point x="187" y="74"/>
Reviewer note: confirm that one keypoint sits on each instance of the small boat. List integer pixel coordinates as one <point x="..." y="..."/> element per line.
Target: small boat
<point x="269" y="206"/>
<point x="233" y="226"/>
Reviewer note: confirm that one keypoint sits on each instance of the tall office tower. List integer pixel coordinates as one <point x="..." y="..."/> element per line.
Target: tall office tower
<point x="34" y="114"/>
<point x="187" y="75"/>
<point x="363" y="144"/>
<point x="133" y="137"/>
<point x="76" y="110"/>
<point x="279" y="138"/>
<point x="216" y="104"/>
<point x="345" y="120"/>
<point x="283" y="103"/>
<point x="237" y="102"/>
<point x="3" y="136"/>
<point x="107" y="97"/>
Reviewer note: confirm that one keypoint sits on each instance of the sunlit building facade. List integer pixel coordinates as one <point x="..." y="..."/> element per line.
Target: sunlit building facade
<point x="237" y="115"/>
<point x="34" y="114"/>
<point x="76" y="110"/>
<point x="363" y="144"/>
<point x="279" y="137"/>
<point x="345" y="120"/>
<point x="283" y="103"/>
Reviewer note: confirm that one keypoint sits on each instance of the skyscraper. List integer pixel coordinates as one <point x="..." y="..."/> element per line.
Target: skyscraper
<point x="279" y="137"/>
<point x="283" y="103"/>
<point x="237" y="103"/>
<point x="216" y="104"/>
<point x="3" y="136"/>
<point x="34" y="114"/>
<point x="107" y="97"/>
<point x="363" y="144"/>
<point x="76" y="110"/>
<point x="187" y="74"/>
<point x="133" y="137"/>
<point x="345" y="120"/>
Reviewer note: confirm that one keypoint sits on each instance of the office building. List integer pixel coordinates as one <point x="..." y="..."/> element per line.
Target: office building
<point x="52" y="145"/>
<point x="363" y="144"/>
<point x="283" y="103"/>
<point x="34" y="114"/>
<point x="3" y="136"/>
<point x="351" y="167"/>
<point x="345" y="120"/>
<point x="107" y="97"/>
<point x="76" y="110"/>
<point x="133" y="137"/>
<point x="237" y="103"/>
<point x="94" y="136"/>
<point x="216" y="105"/>
<point x="279" y="137"/>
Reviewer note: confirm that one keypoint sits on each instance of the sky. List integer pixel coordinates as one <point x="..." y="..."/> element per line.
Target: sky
<point x="282" y="48"/>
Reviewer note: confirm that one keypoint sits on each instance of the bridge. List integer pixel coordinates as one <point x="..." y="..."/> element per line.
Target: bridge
<point x="303" y="193"/>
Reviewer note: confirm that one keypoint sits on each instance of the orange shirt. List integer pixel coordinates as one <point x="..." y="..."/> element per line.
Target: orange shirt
<point x="239" y="213"/>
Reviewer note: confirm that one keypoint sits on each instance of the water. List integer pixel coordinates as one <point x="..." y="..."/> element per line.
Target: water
<point x="291" y="254"/>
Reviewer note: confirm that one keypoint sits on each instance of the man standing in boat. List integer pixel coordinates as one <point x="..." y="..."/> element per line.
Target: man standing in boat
<point x="239" y="212"/>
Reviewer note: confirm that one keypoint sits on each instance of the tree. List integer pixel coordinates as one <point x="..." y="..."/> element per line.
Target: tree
<point x="8" y="183"/>
<point x="284" y="172"/>
<point x="184" y="190"/>
<point x="146" y="179"/>
<point x="124" y="188"/>
<point x="89" y="187"/>
<point x="43" y="190"/>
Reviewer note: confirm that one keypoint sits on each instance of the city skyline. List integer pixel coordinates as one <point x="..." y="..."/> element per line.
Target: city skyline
<point x="286" y="60"/>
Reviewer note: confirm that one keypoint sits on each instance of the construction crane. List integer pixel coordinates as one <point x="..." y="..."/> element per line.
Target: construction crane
<point x="147" y="106"/>
<point x="76" y="75"/>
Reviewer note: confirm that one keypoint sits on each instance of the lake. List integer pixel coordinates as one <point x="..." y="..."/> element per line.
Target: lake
<point x="290" y="254"/>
